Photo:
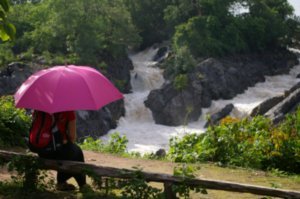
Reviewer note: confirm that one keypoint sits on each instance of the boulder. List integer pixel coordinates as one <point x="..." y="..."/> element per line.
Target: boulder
<point x="214" y="79"/>
<point x="289" y="104"/>
<point x="173" y="107"/>
<point x="118" y="71"/>
<point x="12" y="76"/>
<point x="161" y="54"/>
<point x="266" y="105"/>
<point x="216" y="117"/>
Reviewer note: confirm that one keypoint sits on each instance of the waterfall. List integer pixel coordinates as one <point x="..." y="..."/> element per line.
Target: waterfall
<point x="146" y="136"/>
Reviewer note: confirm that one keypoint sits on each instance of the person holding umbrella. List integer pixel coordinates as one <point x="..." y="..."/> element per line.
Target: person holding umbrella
<point x="54" y="94"/>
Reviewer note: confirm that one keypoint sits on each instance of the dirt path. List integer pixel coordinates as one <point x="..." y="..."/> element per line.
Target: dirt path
<point x="207" y="171"/>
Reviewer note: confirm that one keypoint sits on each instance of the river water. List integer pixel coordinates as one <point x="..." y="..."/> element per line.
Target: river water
<point x="138" y="125"/>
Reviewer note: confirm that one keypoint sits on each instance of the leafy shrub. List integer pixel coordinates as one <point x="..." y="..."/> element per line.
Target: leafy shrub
<point x="6" y="54"/>
<point x="117" y="144"/>
<point x="138" y="188"/>
<point x="183" y="190"/>
<point x="180" y="62"/>
<point x="180" y="82"/>
<point x="14" y="123"/>
<point x="254" y="143"/>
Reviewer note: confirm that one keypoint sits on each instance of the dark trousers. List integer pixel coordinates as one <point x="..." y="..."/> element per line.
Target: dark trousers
<point x="70" y="152"/>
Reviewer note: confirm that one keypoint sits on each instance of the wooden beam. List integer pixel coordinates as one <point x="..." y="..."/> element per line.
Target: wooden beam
<point x="79" y="167"/>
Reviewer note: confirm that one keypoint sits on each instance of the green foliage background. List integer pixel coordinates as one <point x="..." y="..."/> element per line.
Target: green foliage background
<point x="83" y="31"/>
<point x="14" y="123"/>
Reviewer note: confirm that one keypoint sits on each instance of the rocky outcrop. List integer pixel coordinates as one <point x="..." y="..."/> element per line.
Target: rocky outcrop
<point x="266" y="105"/>
<point x="118" y="71"/>
<point x="170" y="106"/>
<point x="161" y="54"/>
<point x="289" y="104"/>
<point x="216" y="117"/>
<point x="269" y="103"/>
<point x="97" y="123"/>
<point x="214" y="79"/>
<point x="12" y="76"/>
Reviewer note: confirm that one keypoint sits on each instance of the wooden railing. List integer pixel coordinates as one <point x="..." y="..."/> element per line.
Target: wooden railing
<point x="166" y="179"/>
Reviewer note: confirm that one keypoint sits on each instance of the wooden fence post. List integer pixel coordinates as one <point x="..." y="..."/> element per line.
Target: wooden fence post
<point x="168" y="191"/>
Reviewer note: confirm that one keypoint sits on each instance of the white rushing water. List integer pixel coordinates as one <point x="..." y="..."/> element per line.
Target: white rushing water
<point x="146" y="136"/>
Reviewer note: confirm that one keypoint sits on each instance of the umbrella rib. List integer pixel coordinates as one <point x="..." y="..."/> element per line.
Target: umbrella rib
<point x="56" y="88"/>
<point x="83" y="77"/>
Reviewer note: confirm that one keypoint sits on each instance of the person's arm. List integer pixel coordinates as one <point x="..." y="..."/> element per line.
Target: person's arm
<point x="72" y="131"/>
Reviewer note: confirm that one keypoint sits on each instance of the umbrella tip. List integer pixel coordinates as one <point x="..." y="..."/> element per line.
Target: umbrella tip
<point x="66" y="63"/>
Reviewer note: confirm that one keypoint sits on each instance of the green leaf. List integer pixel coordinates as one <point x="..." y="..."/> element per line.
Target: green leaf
<point x="4" y="4"/>
<point x="3" y="35"/>
<point x="2" y="15"/>
<point x="10" y="30"/>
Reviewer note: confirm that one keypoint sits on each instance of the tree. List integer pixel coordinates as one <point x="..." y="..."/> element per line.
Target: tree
<point x="217" y="31"/>
<point x="7" y="29"/>
<point x="148" y="17"/>
<point x="84" y="30"/>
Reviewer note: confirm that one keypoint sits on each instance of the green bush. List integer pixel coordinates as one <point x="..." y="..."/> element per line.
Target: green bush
<point x="254" y="143"/>
<point x="180" y="82"/>
<point x="6" y="54"/>
<point x="14" y="123"/>
<point x="117" y="144"/>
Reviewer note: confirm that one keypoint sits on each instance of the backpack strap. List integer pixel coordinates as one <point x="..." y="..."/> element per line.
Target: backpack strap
<point x="55" y="116"/>
<point x="41" y="126"/>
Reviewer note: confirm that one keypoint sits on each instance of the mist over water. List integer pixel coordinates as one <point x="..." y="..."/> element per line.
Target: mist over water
<point x="146" y="136"/>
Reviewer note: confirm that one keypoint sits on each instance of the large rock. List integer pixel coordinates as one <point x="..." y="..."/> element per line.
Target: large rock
<point x="289" y="104"/>
<point x="269" y="103"/>
<point x="216" y="117"/>
<point x="12" y="76"/>
<point x="173" y="107"/>
<point x="266" y="105"/>
<point x="97" y="123"/>
<point x="214" y="79"/>
<point x="118" y="71"/>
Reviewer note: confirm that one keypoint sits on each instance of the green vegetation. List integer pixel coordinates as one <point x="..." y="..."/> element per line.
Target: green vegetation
<point x="253" y="143"/>
<point x="7" y="29"/>
<point x="95" y="31"/>
<point x="14" y="123"/>
<point x="181" y="82"/>
<point x="82" y="32"/>
<point x="116" y="145"/>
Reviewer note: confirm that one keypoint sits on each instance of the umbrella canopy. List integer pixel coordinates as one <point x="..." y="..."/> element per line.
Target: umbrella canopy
<point x="66" y="88"/>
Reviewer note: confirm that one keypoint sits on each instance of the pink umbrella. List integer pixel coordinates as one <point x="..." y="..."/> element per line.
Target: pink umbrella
<point x="66" y="88"/>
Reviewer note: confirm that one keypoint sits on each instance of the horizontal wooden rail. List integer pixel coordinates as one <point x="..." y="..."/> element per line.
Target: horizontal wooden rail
<point x="79" y="167"/>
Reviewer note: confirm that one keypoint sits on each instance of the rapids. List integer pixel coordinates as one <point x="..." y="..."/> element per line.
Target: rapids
<point x="138" y="125"/>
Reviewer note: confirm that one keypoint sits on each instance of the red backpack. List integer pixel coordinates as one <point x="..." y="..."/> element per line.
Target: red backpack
<point x="44" y="135"/>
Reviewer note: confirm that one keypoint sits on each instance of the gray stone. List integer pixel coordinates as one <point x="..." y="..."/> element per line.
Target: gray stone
<point x="214" y="79"/>
<point x="215" y="118"/>
<point x="277" y="113"/>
